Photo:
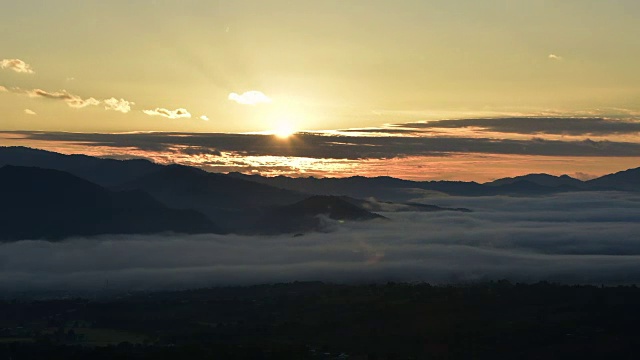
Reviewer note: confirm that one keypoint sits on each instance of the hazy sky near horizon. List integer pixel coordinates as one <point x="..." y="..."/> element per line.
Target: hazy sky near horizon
<point x="277" y="65"/>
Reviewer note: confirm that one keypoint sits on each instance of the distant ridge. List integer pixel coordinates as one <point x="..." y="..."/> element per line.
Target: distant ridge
<point x="104" y="172"/>
<point x="117" y="173"/>
<point x="384" y="187"/>
<point x="628" y="180"/>
<point x="402" y="190"/>
<point x="541" y="179"/>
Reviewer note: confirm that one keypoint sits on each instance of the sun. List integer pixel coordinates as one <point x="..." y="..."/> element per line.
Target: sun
<point x="284" y="130"/>
<point x="283" y="123"/>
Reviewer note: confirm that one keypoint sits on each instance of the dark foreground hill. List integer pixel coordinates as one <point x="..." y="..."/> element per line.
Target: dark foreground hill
<point x="50" y="204"/>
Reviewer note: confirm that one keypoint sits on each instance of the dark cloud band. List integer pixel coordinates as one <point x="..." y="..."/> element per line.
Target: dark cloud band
<point x="315" y="145"/>
<point x="532" y="125"/>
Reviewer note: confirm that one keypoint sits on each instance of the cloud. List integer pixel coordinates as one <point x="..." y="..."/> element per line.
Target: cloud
<point x="570" y="238"/>
<point x="198" y="150"/>
<point x="73" y="101"/>
<point x="171" y="114"/>
<point x="250" y="98"/>
<point x="204" y="117"/>
<point x="530" y="125"/>
<point x="120" y="105"/>
<point x="555" y="57"/>
<point x="29" y="112"/>
<point x="322" y="146"/>
<point x="584" y="176"/>
<point x="16" y="65"/>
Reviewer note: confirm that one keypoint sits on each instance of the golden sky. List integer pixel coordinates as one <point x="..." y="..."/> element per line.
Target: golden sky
<point x="231" y="66"/>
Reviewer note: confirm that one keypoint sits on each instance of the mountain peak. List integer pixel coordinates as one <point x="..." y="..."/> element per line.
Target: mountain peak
<point x="628" y="180"/>
<point x="335" y="207"/>
<point x="541" y="179"/>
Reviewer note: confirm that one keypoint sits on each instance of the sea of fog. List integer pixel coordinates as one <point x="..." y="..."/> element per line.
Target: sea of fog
<point x="589" y="237"/>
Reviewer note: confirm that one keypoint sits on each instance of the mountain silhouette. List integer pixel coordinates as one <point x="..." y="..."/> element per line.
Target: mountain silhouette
<point x="628" y="180"/>
<point x="84" y="195"/>
<point x="104" y="172"/>
<point x="188" y="187"/>
<point x="382" y="187"/>
<point x="233" y="203"/>
<point x="334" y="207"/>
<point x="315" y="213"/>
<point x="398" y="190"/>
<point x="51" y="204"/>
<point x="130" y="174"/>
<point x="521" y="187"/>
<point x="543" y="180"/>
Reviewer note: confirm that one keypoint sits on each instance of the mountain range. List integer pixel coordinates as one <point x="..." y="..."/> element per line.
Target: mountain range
<point x="45" y="203"/>
<point x="102" y="171"/>
<point x="53" y="196"/>
<point x="393" y="189"/>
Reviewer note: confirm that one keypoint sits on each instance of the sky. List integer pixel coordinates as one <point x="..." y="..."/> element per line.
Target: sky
<point x="417" y="79"/>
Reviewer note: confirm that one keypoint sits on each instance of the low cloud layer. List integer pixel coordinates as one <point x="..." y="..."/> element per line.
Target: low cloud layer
<point x="171" y="114"/>
<point x="16" y="65"/>
<point x="572" y="238"/>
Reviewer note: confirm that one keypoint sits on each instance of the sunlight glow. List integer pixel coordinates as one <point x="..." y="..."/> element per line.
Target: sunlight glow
<point x="283" y="131"/>
<point x="284" y="124"/>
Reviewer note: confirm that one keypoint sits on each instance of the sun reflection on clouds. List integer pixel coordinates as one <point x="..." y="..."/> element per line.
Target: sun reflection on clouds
<point x="463" y="149"/>
<point x="460" y="166"/>
<point x="274" y="165"/>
